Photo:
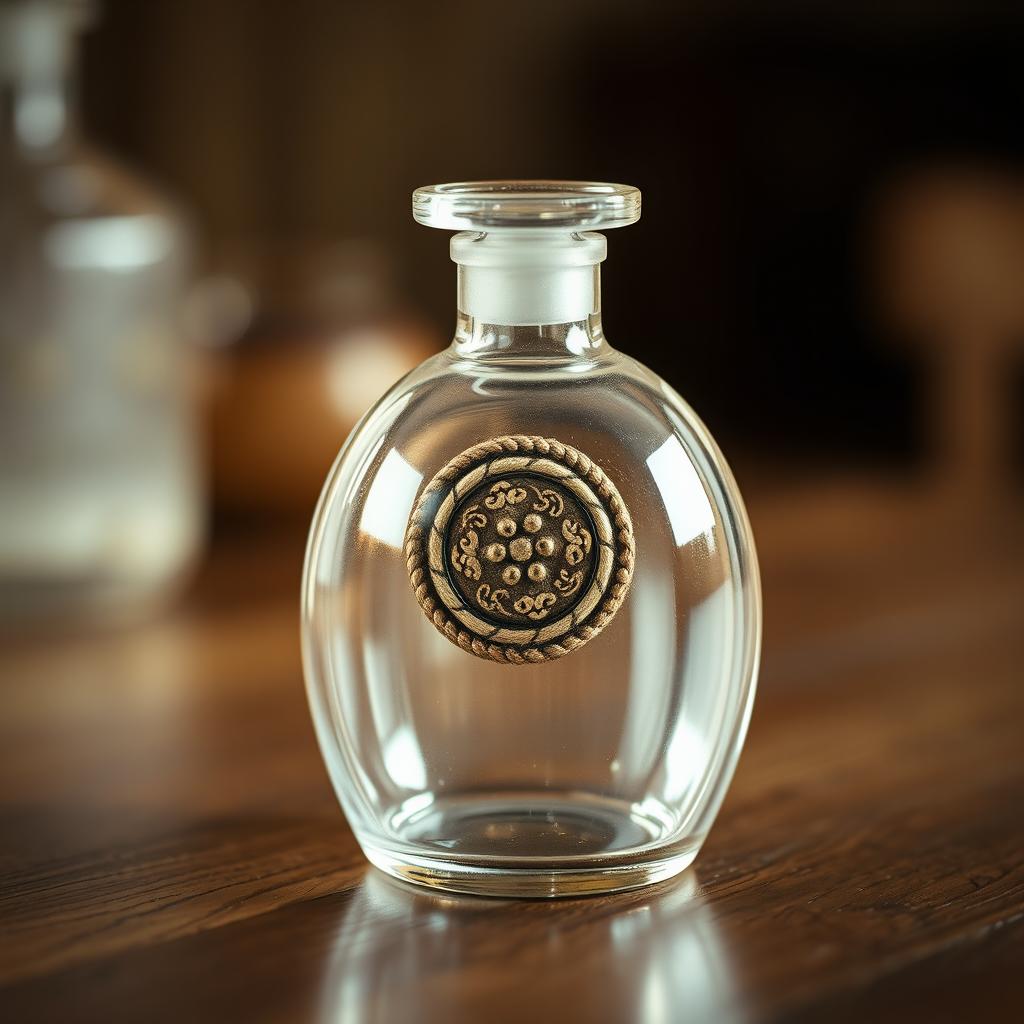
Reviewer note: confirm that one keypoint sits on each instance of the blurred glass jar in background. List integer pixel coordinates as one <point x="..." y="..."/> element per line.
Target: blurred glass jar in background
<point x="100" y="497"/>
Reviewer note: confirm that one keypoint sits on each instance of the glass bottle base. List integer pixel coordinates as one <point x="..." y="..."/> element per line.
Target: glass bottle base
<point x="533" y="845"/>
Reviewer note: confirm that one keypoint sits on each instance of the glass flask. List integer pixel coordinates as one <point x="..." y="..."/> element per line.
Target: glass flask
<point x="99" y="470"/>
<point x="531" y="606"/>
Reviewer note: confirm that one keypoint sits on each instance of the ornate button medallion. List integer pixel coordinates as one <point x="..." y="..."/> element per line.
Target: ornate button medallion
<point x="520" y="549"/>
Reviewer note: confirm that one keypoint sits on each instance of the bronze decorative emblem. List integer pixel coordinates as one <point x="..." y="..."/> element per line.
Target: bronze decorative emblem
<point x="520" y="549"/>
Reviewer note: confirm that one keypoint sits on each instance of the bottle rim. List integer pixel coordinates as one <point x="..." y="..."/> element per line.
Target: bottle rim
<point x="493" y="205"/>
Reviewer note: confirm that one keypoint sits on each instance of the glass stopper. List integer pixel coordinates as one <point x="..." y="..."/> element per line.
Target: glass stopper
<point x="489" y="205"/>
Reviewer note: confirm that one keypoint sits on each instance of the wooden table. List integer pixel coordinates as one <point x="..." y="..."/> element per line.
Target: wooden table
<point x="170" y="848"/>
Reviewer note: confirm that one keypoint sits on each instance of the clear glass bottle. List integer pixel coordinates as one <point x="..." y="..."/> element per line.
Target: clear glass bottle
<point x="531" y="607"/>
<point x="101" y="508"/>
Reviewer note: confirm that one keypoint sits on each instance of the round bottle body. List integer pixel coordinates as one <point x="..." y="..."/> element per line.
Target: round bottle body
<point x="599" y="770"/>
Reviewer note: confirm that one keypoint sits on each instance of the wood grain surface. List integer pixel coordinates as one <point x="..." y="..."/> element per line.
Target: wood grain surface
<point x="170" y="848"/>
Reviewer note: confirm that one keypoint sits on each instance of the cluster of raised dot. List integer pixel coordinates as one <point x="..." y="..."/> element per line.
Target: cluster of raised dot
<point x="520" y="549"/>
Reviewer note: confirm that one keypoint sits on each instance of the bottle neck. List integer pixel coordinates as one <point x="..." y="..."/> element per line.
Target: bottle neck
<point x="575" y="340"/>
<point x="38" y="119"/>
<point x="533" y="294"/>
<point x="37" y="79"/>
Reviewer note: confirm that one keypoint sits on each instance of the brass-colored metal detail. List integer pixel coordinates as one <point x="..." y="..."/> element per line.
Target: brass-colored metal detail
<point x="520" y="550"/>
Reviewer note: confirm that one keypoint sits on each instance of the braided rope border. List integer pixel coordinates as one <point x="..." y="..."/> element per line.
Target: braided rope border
<point x="578" y="635"/>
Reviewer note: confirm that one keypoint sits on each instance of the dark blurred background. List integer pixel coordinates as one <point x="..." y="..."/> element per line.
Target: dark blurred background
<point x="764" y="138"/>
<point x="830" y="265"/>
